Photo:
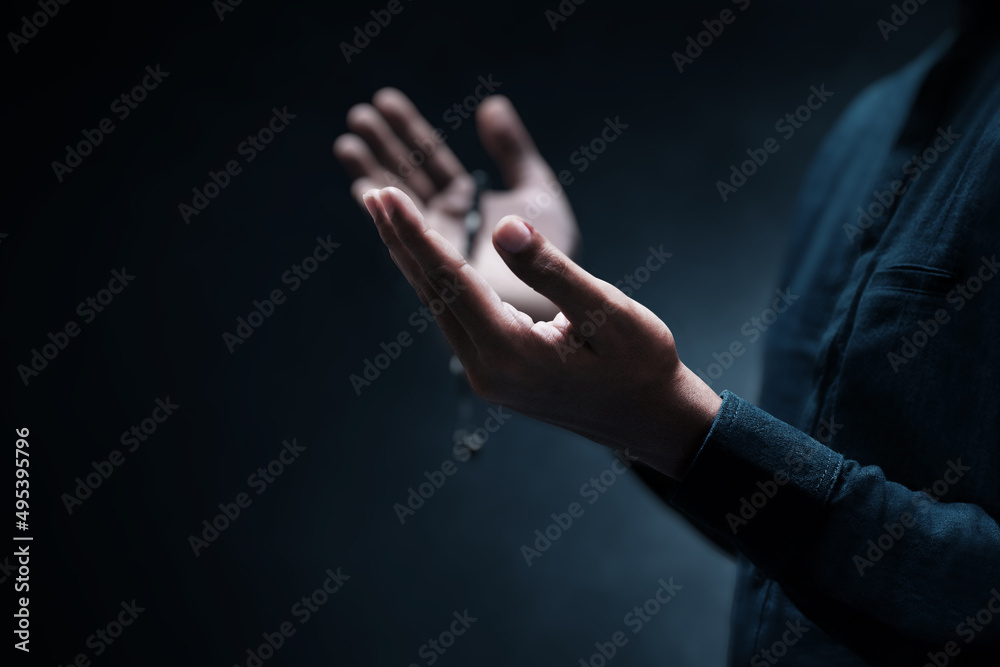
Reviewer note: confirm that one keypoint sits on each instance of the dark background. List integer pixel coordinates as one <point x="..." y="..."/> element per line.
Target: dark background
<point x="333" y="507"/>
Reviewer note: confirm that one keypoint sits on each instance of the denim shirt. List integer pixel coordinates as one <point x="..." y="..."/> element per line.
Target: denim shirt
<point x="863" y="494"/>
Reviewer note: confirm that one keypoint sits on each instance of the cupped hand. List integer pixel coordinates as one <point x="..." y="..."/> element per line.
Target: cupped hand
<point x="392" y="144"/>
<point x="604" y="367"/>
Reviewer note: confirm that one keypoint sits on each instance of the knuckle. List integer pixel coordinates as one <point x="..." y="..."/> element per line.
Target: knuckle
<point x="619" y="307"/>
<point x="615" y="301"/>
<point x="549" y="267"/>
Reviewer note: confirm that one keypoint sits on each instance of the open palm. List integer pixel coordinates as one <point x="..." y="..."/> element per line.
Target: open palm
<point x="392" y="144"/>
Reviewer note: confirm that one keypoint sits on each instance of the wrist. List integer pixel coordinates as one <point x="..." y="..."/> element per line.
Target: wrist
<point x="693" y="406"/>
<point x="704" y="407"/>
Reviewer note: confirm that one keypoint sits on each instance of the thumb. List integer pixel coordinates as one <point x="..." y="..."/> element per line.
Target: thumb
<point x="507" y="141"/>
<point x="544" y="268"/>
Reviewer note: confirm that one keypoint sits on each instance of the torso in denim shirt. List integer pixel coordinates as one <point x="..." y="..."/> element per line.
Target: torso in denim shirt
<point x="890" y="354"/>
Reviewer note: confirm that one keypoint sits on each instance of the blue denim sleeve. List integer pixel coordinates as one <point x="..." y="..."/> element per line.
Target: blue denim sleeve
<point x="826" y="527"/>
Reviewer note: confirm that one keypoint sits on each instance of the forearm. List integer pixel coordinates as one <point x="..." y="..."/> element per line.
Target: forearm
<point x="804" y="515"/>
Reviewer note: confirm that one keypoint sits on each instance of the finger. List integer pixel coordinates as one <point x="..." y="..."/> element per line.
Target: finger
<point x="466" y="293"/>
<point x="362" y="185"/>
<point x="361" y="164"/>
<point x="358" y="189"/>
<point x="452" y="329"/>
<point x="507" y="141"/>
<point x="366" y="121"/>
<point x="358" y="159"/>
<point x="581" y="297"/>
<point x="441" y="164"/>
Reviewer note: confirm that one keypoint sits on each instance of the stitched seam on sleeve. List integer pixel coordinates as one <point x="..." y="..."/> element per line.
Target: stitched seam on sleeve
<point x="836" y="473"/>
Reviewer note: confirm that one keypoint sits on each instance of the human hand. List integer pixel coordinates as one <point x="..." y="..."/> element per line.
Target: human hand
<point x="605" y="367"/>
<point x="390" y="136"/>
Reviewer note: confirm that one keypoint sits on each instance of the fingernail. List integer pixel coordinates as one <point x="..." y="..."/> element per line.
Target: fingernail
<point x="513" y="235"/>
<point x="369" y="199"/>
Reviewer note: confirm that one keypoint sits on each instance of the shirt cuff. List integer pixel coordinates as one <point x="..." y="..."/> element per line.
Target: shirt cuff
<point x="759" y="482"/>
